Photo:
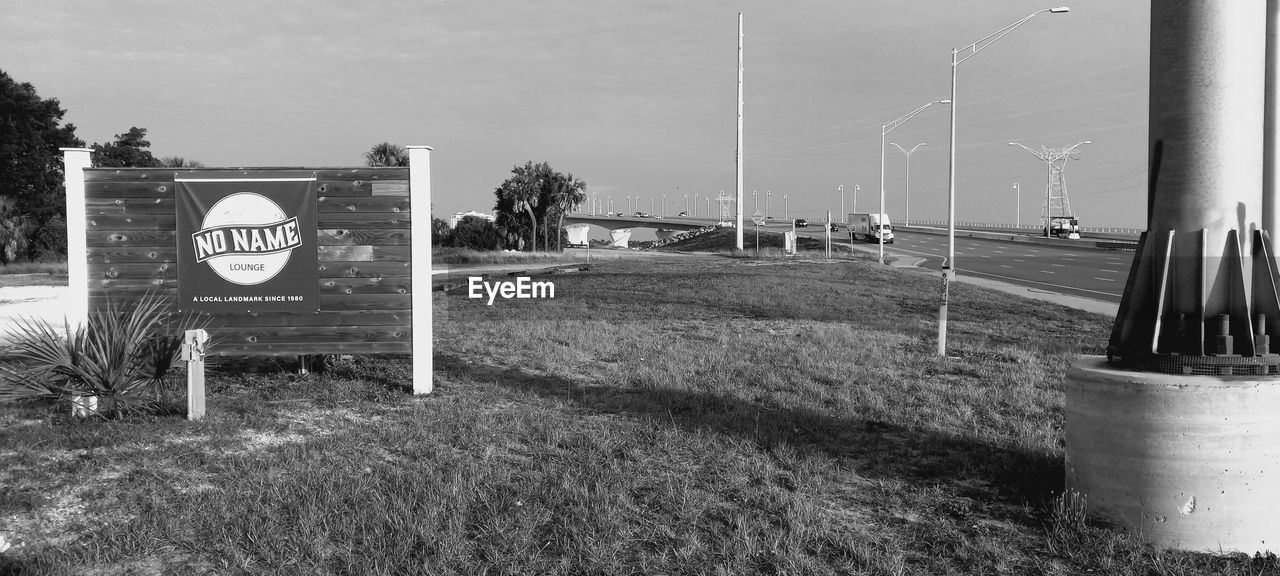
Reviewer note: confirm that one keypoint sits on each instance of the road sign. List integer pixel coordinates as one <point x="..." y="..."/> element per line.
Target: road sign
<point x="757" y="217"/>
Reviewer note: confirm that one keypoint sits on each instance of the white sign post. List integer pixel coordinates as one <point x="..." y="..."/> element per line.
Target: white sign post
<point x="420" y="256"/>
<point x="828" y="233"/>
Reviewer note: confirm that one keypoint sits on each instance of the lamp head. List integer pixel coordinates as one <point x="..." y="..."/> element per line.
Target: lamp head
<point x="945" y="101"/>
<point x="1013" y="143"/>
<point x="1059" y="10"/>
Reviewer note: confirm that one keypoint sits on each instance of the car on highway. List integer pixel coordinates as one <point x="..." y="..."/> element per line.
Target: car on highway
<point x="835" y="227"/>
<point x="641" y="215"/>
<point x="684" y="214"/>
<point x="801" y="223"/>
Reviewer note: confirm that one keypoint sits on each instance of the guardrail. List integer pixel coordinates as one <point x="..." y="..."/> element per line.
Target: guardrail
<point x="1030" y="228"/>
<point x="1104" y="244"/>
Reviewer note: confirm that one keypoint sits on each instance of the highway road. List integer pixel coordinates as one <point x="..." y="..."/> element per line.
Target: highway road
<point x="1059" y="267"/>
<point x="1065" y="267"/>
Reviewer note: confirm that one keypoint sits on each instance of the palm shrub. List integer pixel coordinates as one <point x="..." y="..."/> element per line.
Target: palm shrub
<point x="119" y="352"/>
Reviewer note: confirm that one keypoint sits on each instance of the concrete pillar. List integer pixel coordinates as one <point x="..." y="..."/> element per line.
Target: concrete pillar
<point x="1271" y="130"/>
<point x="420" y="257"/>
<point x="1205" y="137"/>
<point x="620" y="237"/>
<point x="1176" y="438"/>
<point x="1205" y="199"/>
<point x="74" y="161"/>
<point x="579" y="234"/>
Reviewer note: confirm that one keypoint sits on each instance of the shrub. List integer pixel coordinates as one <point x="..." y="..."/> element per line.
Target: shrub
<point x="475" y="233"/>
<point x="118" y="352"/>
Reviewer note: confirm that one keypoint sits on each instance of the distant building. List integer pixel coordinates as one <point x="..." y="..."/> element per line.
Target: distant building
<point x="458" y="216"/>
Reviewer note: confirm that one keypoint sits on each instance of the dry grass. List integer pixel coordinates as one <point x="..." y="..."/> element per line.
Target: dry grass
<point x="726" y="418"/>
<point x="468" y="256"/>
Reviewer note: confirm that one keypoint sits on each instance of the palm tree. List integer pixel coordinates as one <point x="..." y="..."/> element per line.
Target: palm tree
<point x="522" y="191"/>
<point x="569" y="193"/>
<point x="386" y="154"/>
<point x="179" y="162"/>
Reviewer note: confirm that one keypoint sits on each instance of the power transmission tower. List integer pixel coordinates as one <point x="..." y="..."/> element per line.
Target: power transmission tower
<point x="725" y="202"/>
<point x="1056" y="203"/>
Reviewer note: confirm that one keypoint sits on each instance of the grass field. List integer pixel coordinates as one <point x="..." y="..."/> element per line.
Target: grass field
<point x="735" y="417"/>
<point x="34" y="274"/>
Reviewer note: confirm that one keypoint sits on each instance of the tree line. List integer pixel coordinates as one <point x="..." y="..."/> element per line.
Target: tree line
<point x="529" y="208"/>
<point x="33" y="224"/>
<point x="530" y="204"/>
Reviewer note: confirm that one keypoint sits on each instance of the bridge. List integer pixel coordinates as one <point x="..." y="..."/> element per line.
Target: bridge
<point x="620" y="226"/>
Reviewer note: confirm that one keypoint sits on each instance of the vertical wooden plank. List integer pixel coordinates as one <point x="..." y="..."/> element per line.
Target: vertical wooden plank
<point x="420" y="262"/>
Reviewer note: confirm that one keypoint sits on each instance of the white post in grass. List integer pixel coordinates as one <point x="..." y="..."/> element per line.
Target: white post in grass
<point x="420" y="262"/>
<point x="76" y="306"/>
<point x="193" y="343"/>
<point x="74" y="161"/>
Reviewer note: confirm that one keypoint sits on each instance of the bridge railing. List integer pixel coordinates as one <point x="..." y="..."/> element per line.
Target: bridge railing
<point x="1029" y="227"/>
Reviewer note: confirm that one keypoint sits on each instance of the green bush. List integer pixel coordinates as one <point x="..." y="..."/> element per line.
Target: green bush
<point x="121" y="350"/>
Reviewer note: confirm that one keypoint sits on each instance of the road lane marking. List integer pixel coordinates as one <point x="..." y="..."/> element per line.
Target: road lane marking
<point x="1005" y="266"/>
<point x="1058" y="265"/>
<point x="1013" y="279"/>
<point x="1106" y="279"/>
<point x="1046" y="272"/>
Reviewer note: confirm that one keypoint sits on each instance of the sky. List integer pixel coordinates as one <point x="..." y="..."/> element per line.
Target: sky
<point x="637" y="98"/>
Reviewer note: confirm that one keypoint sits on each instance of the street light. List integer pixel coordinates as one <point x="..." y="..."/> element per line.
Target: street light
<point x="842" y="215"/>
<point x="884" y="130"/>
<point x="948" y="269"/>
<point x="856" y="188"/>
<point x="906" y="187"/>
<point x="1051" y="156"/>
<point x="786" y="208"/>
<point x="695" y="204"/>
<point x="767" y="194"/>
<point x="664" y="206"/>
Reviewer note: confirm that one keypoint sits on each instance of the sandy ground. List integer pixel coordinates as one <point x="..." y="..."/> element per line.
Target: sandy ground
<point x="44" y="302"/>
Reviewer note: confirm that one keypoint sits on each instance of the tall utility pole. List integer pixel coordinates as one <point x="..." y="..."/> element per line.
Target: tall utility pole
<point x="1055" y="187"/>
<point x="737" y="159"/>
<point x="843" y="216"/>
<point x="1017" y="214"/>
<point x="906" y="194"/>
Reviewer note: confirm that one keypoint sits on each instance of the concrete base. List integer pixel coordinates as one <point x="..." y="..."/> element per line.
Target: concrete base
<point x="1188" y="462"/>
